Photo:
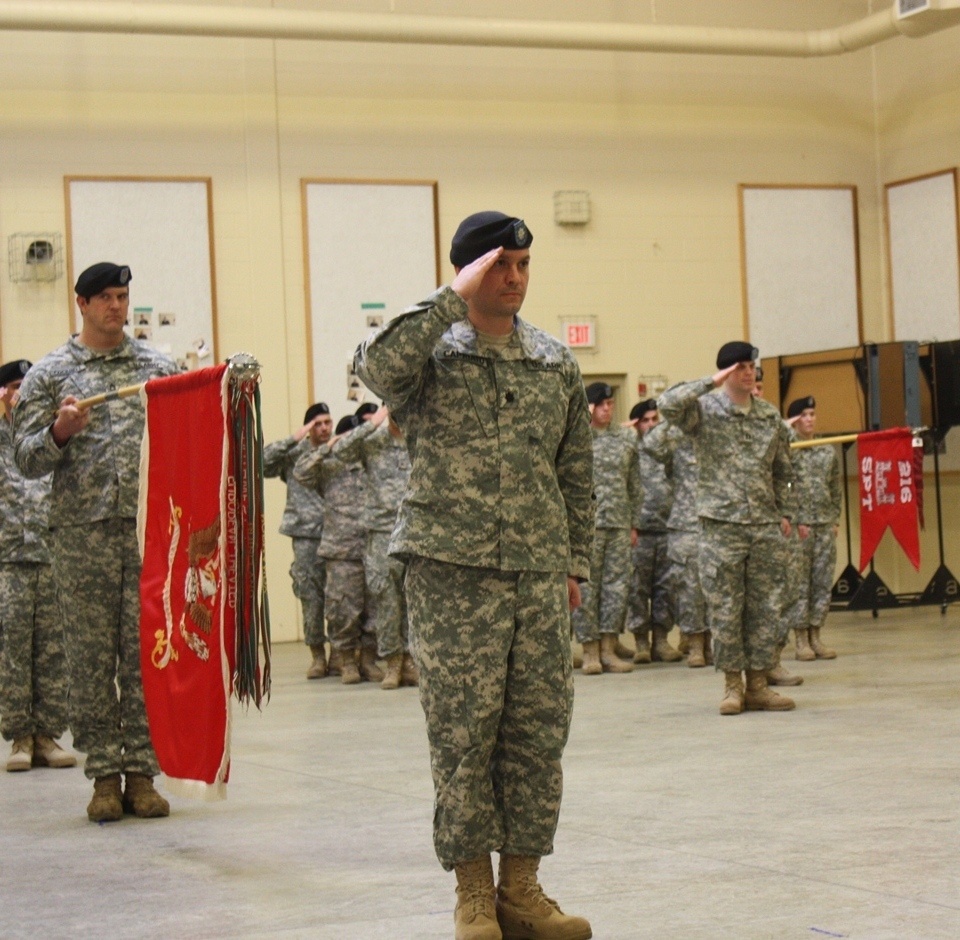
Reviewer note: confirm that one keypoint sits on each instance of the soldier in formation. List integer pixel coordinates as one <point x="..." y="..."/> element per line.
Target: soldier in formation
<point x="496" y="529"/>
<point x="303" y="523"/>
<point x="33" y="669"/>
<point x="93" y="455"/>
<point x="599" y="620"/>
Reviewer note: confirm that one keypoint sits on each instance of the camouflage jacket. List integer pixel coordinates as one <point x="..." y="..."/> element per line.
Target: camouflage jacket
<point x="96" y="475"/>
<point x="502" y="462"/>
<point x="657" y="492"/>
<point x="23" y="508"/>
<point x="343" y="490"/>
<point x="666" y="445"/>
<point x="744" y="458"/>
<point x="387" y="465"/>
<point x="818" y="484"/>
<point x="303" y="512"/>
<point x="616" y="478"/>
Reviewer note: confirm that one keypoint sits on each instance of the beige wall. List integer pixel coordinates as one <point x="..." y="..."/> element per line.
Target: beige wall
<point x="659" y="141"/>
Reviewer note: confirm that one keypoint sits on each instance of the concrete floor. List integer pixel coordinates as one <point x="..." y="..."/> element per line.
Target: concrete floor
<point x="839" y="819"/>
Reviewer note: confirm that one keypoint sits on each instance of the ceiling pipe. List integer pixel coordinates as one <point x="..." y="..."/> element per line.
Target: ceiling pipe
<point x="277" y="23"/>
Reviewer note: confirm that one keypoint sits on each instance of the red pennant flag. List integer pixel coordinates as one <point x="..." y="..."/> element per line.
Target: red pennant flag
<point x="188" y="586"/>
<point x="888" y="492"/>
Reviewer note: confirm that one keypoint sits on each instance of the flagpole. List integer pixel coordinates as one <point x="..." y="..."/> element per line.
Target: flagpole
<point x="839" y="439"/>
<point x="128" y="391"/>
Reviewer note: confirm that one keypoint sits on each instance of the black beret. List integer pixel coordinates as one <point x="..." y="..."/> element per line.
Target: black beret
<point x="640" y="409"/>
<point x="367" y="408"/>
<point x="598" y="392"/>
<point x="347" y="423"/>
<point x="483" y="231"/>
<point x="319" y="408"/>
<point x="100" y="276"/>
<point x="11" y="371"/>
<point x="732" y="353"/>
<point x="799" y="405"/>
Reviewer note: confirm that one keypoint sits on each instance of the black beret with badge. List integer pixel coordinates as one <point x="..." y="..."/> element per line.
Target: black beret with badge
<point x="641" y="408"/>
<point x="347" y="423"/>
<point x="598" y="392"/>
<point x="483" y="231"/>
<point x="736" y="352"/>
<point x="98" y="277"/>
<point x="13" y="371"/>
<point x="315" y="410"/>
<point x="800" y="405"/>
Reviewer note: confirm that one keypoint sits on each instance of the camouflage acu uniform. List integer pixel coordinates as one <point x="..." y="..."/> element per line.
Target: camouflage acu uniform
<point x="342" y="544"/>
<point x="96" y="560"/>
<point x="387" y="465"/>
<point x="33" y="669"/>
<point x="819" y="490"/>
<point x="497" y="514"/>
<point x="616" y="481"/>
<point x="670" y="446"/>
<point x="651" y="587"/>
<point x="303" y="523"/>
<point x="744" y="492"/>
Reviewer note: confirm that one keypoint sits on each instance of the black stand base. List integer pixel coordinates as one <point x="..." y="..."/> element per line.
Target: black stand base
<point x="943" y="589"/>
<point x="872" y="594"/>
<point x="846" y="586"/>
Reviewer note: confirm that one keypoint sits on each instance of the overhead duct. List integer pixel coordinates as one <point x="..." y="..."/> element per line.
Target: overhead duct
<point x="912" y="18"/>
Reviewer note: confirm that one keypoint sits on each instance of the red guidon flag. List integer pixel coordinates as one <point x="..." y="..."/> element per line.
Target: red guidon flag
<point x="888" y="492"/>
<point x="188" y="584"/>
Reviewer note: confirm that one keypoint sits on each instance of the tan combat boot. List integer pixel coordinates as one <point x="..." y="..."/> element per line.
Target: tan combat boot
<point x="106" y="805"/>
<point x="475" y="916"/>
<point x="695" y="657"/>
<point x="409" y="674"/>
<point x="591" y="658"/>
<point x="576" y="655"/>
<point x="525" y="912"/>
<point x="318" y="668"/>
<point x="349" y="673"/>
<point x="662" y="651"/>
<point x="733" y="694"/>
<point x="804" y="652"/>
<point x="761" y="698"/>
<point x="369" y="669"/>
<point x="140" y="798"/>
<point x="683" y="644"/>
<point x="334" y="662"/>
<point x="609" y="660"/>
<point x="391" y="679"/>
<point x="819" y="650"/>
<point x="624" y="652"/>
<point x="21" y="754"/>
<point x="779" y="676"/>
<point x="642" y="641"/>
<point x="47" y="753"/>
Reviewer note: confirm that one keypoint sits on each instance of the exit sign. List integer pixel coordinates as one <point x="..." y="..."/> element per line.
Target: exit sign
<point x="580" y="334"/>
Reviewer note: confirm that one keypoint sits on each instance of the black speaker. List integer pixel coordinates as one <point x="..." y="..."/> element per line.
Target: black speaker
<point x="946" y="383"/>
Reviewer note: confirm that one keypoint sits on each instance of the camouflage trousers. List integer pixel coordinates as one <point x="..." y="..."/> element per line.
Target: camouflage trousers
<point x="388" y="606"/>
<point x="818" y="562"/>
<point x="683" y="549"/>
<point x="308" y="573"/>
<point x="603" y="607"/>
<point x="97" y="570"/>
<point x="496" y="686"/>
<point x="33" y="667"/>
<point x="651" y="588"/>
<point x="348" y="623"/>
<point x="742" y="572"/>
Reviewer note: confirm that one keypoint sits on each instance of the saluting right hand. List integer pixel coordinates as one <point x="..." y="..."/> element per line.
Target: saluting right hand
<point x="721" y="376"/>
<point x="468" y="278"/>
